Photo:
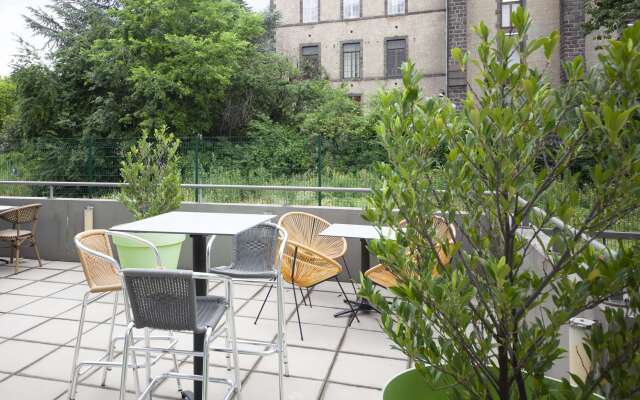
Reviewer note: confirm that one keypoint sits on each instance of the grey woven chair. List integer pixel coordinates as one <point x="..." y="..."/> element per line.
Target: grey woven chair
<point x="257" y="257"/>
<point x="102" y="273"/>
<point x="166" y="300"/>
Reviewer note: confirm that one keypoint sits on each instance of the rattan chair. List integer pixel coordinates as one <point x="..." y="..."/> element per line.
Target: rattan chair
<point x="445" y="233"/>
<point x="305" y="268"/>
<point x="304" y="229"/>
<point x="257" y="257"/>
<point x="167" y="300"/>
<point x="17" y="235"/>
<point x="102" y="274"/>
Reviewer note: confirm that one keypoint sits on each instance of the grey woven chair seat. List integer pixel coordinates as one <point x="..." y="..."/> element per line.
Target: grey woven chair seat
<point x="209" y="311"/>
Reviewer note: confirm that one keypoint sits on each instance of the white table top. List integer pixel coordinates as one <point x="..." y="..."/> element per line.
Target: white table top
<point x="358" y="231"/>
<point x="5" y="208"/>
<point x="195" y="223"/>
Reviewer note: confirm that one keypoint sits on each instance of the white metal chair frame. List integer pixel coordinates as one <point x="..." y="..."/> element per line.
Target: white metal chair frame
<point x="106" y="361"/>
<point x="235" y="386"/>
<point x="280" y="347"/>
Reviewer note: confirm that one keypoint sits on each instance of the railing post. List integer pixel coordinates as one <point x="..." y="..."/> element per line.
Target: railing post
<point x="319" y="150"/>
<point x="50" y="191"/>
<point x="196" y="166"/>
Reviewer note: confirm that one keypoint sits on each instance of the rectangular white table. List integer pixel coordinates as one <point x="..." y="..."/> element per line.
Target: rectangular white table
<point x="364" y="233"/>
<point x="198" y="226"/>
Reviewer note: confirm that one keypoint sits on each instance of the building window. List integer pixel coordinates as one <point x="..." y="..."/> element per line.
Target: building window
<point x="357" y="98"/>
<point x="310" y="11"/>
<point x="396" y="55"/>
<point x="350" y="9"/>
<point x="396" y="7"/>
<point x="507" y="8"/>
<point x="351" y="60"/>
<point x="310" y="61"/>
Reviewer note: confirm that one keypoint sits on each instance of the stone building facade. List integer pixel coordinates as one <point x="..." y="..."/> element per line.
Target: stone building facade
<point x="361" y="43"/>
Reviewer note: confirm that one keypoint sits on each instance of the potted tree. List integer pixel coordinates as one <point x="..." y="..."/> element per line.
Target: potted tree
<point x="487" y="325"/>
<point x="151" y="171"/>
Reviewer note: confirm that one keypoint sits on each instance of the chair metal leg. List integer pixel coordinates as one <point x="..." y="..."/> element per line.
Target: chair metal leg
<point x="205" y="363"/>
<point x="127" y="316"/>
<point x="304" y="300"/>
<point x="125" y="361"/>
<point x="176" y="367"/>
<point x="309" y="298"/>
<point x="228" y="290"/>
<point x="346" y="267"/>
<point x="17" y="258"/>
<point x="74" y="367"/>
<point x="283" y="365"/>
<point x="110" y="342"/>
<point x="263" y="303"/>
<point x="231" y="333"/>
<point x="355" y="314"/>
<point x="147" y="358"/>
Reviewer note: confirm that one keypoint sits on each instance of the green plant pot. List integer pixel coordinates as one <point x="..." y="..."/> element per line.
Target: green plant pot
<point x="133" y="254"/>
<point x="410" y="385"/>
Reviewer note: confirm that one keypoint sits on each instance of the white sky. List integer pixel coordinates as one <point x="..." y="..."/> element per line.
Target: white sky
<point x="12" y="24"/>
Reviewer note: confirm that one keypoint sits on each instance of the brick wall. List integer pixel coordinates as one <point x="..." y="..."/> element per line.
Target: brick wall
<point x="572" y="37"/>
<point x="457" y="37"/>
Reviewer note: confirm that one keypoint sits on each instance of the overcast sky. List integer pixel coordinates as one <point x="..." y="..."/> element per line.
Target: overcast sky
<point x="12" y="24"/>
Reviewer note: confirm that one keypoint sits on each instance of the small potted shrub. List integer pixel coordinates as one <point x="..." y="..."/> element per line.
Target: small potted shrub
<point x="487" y="325"/>
<point x="151" y="171"/>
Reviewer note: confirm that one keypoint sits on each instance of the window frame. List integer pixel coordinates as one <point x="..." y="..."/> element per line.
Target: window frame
<point x="511" y="3"/>
<point x="302" y="21"/>
<point x="342" y="59"/>
<point x="342" y="15"/>
<point x="387" y="74"/>
<point x="387" y="4"/>
<point x="302" y="57"/>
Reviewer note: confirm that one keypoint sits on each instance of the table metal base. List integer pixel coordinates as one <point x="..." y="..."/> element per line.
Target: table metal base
<point x="360" y="305"/>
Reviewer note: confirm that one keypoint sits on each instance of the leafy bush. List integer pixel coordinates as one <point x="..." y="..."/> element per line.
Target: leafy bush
<point x="151" y="170"/>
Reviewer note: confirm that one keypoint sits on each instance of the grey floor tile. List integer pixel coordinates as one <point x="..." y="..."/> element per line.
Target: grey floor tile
<point x="47" y="307"/>
<point x="365" y="370"/>
<point x="321" y="316"/>
<point x="41" y="289"/>
<point x="57" y="365"/>
<point x="303" y="363"/>
<point x="7" y="285"/>
<point x="371" y="343"/>
<point x="12" y="324"/>
<point x="17" y="354"/>
<point x="270" y="311"/>
<point x="10" y="302"/>
<point x="75" y="292"/>
<point x="95" y="393"/>
<point x="96" y="312"/>
<point x="61" y="265"/>
<point x="322" y="337"/>
<point x="36" y="274"/>
<point x="17" y="387"/>
<point x="68" y="277"/>
<point x="265" y="387"/>
<point x="55" y="331"/>
<point x="335" y="391"/>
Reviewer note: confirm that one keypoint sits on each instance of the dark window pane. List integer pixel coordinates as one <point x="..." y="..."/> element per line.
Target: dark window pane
<point x="351" y="60"/>
<point x="310" y="61"/>
<point x="396" y="55"/>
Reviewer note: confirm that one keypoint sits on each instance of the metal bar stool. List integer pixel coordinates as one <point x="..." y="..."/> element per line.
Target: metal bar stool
<point x="165" y="299"/>
<point x="257" y="257"/>
<point x="102" y="273"/>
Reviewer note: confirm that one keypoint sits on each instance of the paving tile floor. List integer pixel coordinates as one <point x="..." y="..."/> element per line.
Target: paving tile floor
<point x="40" y="307"/>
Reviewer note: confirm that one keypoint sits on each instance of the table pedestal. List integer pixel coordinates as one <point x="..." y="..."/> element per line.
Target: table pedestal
<point x="360" y="305"/>
<point x="199" y="265"/>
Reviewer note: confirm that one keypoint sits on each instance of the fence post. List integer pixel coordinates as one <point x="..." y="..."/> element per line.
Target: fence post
<point x="89" y="162"/>
<point x="196" y="166"/>
<point x="319" y="150"/>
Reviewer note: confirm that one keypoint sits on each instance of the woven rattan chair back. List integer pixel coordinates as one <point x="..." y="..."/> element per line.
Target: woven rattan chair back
<point x="445" y="233"/>
<point x="161" y="299"/>
<point x="310" y="267"/>
<point x="304" y="228"/>
<point x="255" y="249"/>
<point x="22" y="215"/>
<point x="101" y="273"/>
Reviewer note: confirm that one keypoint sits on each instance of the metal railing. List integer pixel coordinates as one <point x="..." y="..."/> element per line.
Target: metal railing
<point x="51" y="185"/>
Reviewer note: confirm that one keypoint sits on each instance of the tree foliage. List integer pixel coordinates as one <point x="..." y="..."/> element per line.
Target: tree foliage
<point x="487" y="326"/>
<point x="611" y="16"/>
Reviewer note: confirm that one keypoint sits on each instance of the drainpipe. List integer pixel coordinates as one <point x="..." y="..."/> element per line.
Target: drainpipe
<point x="446" y="48"/>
